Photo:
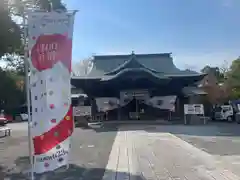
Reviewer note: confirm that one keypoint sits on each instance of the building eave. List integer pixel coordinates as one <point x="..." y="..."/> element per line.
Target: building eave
<point x="185" y="75"/>
<point x="86" y="78"/>
<point x="121" y="73"/>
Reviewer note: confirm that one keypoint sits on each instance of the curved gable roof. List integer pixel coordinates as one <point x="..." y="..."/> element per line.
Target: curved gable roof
<point x="132" y="63"/>
<point x="136" y="70"/>
<point x="112" y="64"/>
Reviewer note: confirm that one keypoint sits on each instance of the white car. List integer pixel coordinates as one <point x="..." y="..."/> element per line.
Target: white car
<point x="24" y="117"/>
<point x="224" y="112"/>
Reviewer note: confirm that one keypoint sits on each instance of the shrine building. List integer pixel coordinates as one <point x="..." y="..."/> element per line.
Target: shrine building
<point x="137" y="86"/>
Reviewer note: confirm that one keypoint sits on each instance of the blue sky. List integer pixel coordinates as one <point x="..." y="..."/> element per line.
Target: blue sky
<point x="197" y="32"/>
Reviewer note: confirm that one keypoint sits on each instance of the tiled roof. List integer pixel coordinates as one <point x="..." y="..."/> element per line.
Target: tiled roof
<point x="161" y="63"/>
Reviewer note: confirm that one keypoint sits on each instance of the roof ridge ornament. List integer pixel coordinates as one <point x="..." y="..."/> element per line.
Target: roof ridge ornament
<point x="132" y="61"/>
<point x="133" y="56"/>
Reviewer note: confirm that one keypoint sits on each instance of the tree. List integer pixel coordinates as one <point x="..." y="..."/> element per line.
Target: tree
<point x="17" y="6"/>
<point x="210" y="85"/>
<point x="11" y="46"/>
<point x="233" y="79"/>
<point x="215" y="71"/>
<point x="215" y="84"/>
<point x="83" y="67"/>
<point x="10" y="43"/>
<point x="14" y="63"/>
<point x="224" y="68"/>
<point x="10" y="32"/>
<point x="11" y="95"/>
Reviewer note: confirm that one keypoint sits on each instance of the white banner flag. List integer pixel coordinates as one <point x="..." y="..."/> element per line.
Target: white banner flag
<point x="50" y="52"/>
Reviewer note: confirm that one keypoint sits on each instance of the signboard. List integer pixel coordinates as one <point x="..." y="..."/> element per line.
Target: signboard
<point x="50" y="55"/>
<point x="238" y="105"/>
<point x="82" y="110"/>
<point x="135" y="93"/>
<point x="173" y="108"/>
<point x="127" y="96"/>
<point x="193" y="109"/>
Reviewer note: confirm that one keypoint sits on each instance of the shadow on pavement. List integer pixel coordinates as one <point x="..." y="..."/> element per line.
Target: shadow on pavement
<point x="89" y="156"/>
<point x="74" y="172"/>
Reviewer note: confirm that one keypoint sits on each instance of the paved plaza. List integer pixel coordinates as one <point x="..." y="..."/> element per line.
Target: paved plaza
<point x="154" y="154"/>
<point x="137" y="152"/>
<point x="89" y="156"/>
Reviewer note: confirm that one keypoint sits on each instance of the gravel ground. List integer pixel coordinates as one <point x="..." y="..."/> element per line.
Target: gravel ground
<point x="89" y="155"/>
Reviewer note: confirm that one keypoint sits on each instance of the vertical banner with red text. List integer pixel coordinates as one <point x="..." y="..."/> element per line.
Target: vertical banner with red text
<point x="50" y="52"/>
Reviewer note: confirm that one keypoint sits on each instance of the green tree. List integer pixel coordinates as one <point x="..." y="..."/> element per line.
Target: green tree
<point x="18" y="6"/>
<point x="14" y="59"/>
<point x="10" y="43"/>
<point x="11" y="46"/>
<point x="10" y="32"/>
<point x="233" y="79"/>
<point x="11" y="95"/>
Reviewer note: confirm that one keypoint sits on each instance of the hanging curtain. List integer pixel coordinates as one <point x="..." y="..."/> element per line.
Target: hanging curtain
<point x="107" y="103"/>
<point x="162" y="102"/>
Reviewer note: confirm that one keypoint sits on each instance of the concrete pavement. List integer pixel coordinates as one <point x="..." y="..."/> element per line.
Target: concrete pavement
<point x="138" y="154"/>
<point x="20" y="126"/>
<point x="221" y="142"/>
<point x="88" y="159"/>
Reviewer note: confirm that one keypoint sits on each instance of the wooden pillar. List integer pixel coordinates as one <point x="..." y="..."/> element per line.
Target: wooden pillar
<point x="177" y="110"/>
<point x="119" y="112"/>
<point x="182" y="100"/>
<point x="119" y="105"/>
<point x="93" y="107"/>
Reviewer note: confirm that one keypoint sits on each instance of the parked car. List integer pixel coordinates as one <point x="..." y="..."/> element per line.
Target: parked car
<point x="24" y="117"/>
<point x="3" y="120"/>
<point x="223" y="113"/>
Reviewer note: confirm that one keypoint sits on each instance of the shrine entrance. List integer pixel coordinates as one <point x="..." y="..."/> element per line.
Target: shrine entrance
<point x="133" y="102"/>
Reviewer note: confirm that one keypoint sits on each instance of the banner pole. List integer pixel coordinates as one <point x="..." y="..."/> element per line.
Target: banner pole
<point x="26" y="67"/>
<point x="70" y="149"/>
<point x="73" y="118"/>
